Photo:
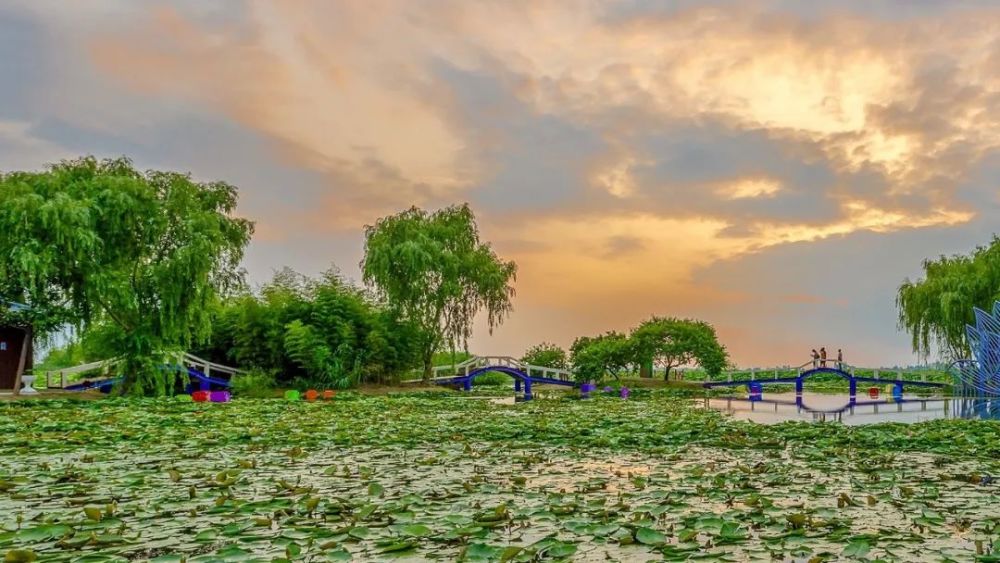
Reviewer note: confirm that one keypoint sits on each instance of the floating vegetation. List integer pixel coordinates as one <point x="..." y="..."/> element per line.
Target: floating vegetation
<point x="432" y="477"/>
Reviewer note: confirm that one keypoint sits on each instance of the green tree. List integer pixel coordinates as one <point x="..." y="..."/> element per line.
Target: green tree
<point x="434" y="268"/>
<point x="146" y="253"/>
<point x="936" y="309"/>
<point x="594" y="358"/>
<point x="546" y="355"/>
<point x="323" y="332"/>
<point x="671" y="342"/>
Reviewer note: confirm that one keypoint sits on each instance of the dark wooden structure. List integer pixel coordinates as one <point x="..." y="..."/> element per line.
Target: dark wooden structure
<point x="12" y="341"/>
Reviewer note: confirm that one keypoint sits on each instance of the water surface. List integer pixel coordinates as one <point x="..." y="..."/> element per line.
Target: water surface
<point x="817" y="407"/>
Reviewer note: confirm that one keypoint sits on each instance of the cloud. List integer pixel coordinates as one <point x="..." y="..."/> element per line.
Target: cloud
<point x="429" y="104"/>
<point x="19" y="144"/>
<point x="749" y="188"/>
<point x="368" y="122"/>
<point x="616" y="150"/>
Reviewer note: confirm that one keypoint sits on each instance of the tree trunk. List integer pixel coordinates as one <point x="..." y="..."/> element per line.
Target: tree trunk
<point x="428" y="365"/>
<point x="666" y="373"/>
<point x="646" y="370"/>
<point x="20" y="363"/>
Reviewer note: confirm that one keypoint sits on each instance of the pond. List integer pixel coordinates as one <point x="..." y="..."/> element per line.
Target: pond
<point x="773" y="408"/>
<point x="430" y="477"/>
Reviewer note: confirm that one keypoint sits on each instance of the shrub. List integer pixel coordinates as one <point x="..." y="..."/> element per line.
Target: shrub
<point x="494" y="378"/>
<point x="546" y="355"/>
<point x="254" y="383"/>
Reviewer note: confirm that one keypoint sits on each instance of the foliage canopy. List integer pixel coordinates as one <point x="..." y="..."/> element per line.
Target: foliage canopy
<point x="434" y="267"/>
<point x="90" y="241"/>
<point x="594" y="358"/>
<point x="671" y="342"/>
<point x="323" y="332"/>
<point x="936" y="309"/>
<point x="546" y="355"/>
<point x="661" y="341"/>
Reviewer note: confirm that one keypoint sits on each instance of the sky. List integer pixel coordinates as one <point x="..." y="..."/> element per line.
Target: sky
<point x="774" y="167"/>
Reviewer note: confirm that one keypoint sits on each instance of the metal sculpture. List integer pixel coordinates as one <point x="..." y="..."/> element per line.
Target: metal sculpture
<point x="982" y="372"/>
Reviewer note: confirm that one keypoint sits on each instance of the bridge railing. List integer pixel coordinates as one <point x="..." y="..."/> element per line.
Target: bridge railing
<point x="476" y="362"/>
<point x="207" y="366"/>
<point x="544" y="371"/>
<point x="63" y="375"/>
<point x="766" y="373"/>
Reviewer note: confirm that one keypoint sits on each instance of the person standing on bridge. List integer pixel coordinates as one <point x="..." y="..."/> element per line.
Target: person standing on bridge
<point x="822" y="357"/>
<point x="815" y="358"/>
<point x="840" y="359"/>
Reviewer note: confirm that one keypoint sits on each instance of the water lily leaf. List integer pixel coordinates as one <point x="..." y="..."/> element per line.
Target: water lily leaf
<point x="797" y="520"/>
<point x="732" y="531"/>
<point x="856" y="548"/>
<point x="416" y="530"/>
<point x="479" y="552"/>
<point x="93" y="513"/>
<point x="206" y="536"/>
<point x="604" y="530"/>
<point x="649" y="536"/>
<point x="396" y="546"/>
<point x="20" y="556"/>
<point x="42" y="533"/>
<point x="359" y="532"/>
<point x="338" y="555"/>
<point x="560" y="550"/>
<point x="509" y="553"/>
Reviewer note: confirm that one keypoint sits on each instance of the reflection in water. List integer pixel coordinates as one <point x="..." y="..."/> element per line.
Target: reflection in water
<point x="779" y="407"/>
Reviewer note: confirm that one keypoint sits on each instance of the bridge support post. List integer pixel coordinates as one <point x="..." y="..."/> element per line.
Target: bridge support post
<point x="517" y="385"/>
<point x="854" y="388"/>
<point x="798" y="386"/>
<point x="467" y="384"/>
<point x="527" y="390"/>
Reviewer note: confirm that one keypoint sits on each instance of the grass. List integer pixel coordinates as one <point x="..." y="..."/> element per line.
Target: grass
<point x="427" y="475"/>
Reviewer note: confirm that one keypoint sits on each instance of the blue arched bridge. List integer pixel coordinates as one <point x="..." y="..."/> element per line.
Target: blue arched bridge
<point x="524" y="375"/>
<point x="755" y="385"/>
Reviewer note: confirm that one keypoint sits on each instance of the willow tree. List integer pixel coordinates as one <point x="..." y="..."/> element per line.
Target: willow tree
<point x="434" y="268"/>
<point x="936" y="309"/>
<point x="101" y="243"/>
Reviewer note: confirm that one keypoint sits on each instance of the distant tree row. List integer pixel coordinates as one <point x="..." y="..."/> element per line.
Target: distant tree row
<point x="658" y="343"/>
<point x="150" y="261"/>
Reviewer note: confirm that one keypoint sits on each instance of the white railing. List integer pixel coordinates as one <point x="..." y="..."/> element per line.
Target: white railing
<point x="763" y="374"/>
<point x="64" y="373"/>
<point x="207" y="367"/>
<point x="476" y="362"/>
<point x="183" y="358"/>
